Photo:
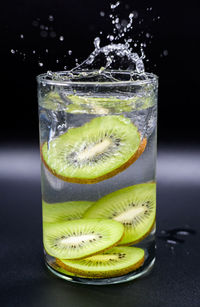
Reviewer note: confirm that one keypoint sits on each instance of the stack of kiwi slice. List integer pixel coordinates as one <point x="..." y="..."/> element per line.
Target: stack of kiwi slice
<point x="94" y="152"/>
<point x="92" y="239"/>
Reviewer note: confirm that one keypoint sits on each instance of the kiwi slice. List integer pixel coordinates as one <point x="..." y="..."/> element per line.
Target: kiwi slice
<point x="101" y="105"/>
<point x="80" y="238"/>
<point x="115" y="262"/>
<point x="134" y="207"/>
<point x="95" y="151"/>
<point x="66" y="211"/>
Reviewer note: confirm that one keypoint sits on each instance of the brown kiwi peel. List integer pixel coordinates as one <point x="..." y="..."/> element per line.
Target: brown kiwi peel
<point x="142" y="238"/>
<point x="105" y="274"/>
<point x="120" y="169"/>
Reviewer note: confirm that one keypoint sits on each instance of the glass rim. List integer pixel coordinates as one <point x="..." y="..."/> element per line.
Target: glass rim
<point x="43" y="78"/>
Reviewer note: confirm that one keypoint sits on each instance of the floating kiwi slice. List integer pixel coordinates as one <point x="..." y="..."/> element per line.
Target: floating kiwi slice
<point x="80" y="238"/>
<point x="66" y="211"/>
<point x="95" y="151"/>
<point x="101" y="105"/>
<point x="134" y="207"/>
<point x="115" y="262"/>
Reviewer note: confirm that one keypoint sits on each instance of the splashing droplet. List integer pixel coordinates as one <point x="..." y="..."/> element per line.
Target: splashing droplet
<point x="102" y="14"/>
<point x="165" y="52"/>
<point x="34" y="51"/>
<point x="70" y="52"/>
<point x="35" y="23"/>
<point x="43" y="34"/>
<point x="52" y="34"/>
<point x="46" y="50"/>
<point x="61" y="38"/>
<point x="51" y="18"/>
<point x="97" y="42"/>
<point x="12" y="51"/>
<point x="21" y="36"/>
<point x="40" y="64"/>
<point x="113" y="6"/>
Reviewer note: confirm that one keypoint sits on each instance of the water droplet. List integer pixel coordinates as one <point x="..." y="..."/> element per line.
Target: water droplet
<point x="102" y="14"/>
<point x="97" y="42"/>
<point x="131" y="15"/>
<point x="42" y="27"/>
<point x="65" y="67"/>
<point x="12" y="51"/>
<point x="147" y="35"/>
<point x="43" y="34"/>
<point x="35" y="23"/>
<point x="165" y="52"/>
<point x="33" y="51"/>
<point x="52" y="34"/>
<point x="46" y="50"/>
<point x="40" y="64"/>
<point x="51" y="18"/>
<point x="21" y="36"/>
<point x="70" y="52"/>
<point x="61" y="38"/>
<point x="158" y="17"/>
<point x="100" y="32"/>
<point x="113" y="6"/>
<point x="57" y="61"/>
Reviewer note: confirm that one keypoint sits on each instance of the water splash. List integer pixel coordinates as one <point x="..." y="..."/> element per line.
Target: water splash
<point x="111" y="54"/>
<point x="113" y="6"/>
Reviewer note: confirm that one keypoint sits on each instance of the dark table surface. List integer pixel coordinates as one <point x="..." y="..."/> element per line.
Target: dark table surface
<point x="175" y="279"/>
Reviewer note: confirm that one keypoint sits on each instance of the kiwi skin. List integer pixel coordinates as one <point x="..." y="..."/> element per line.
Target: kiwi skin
<point x="120" y="169"/>
<point x="140" y="239"/>
<point x="116" y="273"/>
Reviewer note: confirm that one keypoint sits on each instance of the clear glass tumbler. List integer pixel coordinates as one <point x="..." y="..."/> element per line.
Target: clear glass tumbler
<point x="98" y="162"/>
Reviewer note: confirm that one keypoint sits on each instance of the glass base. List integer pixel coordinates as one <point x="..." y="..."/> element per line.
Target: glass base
<point x="143" y="271"/>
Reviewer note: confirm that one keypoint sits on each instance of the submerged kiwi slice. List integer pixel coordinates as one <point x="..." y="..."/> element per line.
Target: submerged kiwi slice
<point x="66" y="211"/>
<point x="95" y="151"/>
<point x="80" y="238"/>
<point x="115" y="262"/>
<point x="106" y="105"/>
<point x="134" y="207"/>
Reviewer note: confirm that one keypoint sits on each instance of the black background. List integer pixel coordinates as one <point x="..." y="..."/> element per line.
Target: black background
<point x="80" y="22"/>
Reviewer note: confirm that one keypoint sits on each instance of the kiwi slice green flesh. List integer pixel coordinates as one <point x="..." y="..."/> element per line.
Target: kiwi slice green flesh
<point x="115" y="262"/>
<point x="80" y="238"/>
<point x="134" y="207"/>
<point x="95" y="151"/>
<point x="66" y="211"/>
<point x="101" y="105"/>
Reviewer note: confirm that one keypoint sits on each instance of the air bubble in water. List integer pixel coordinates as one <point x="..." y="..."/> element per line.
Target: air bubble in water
<point x="51" y="18"/>
<point x="113" y="6"/>
<point x="102" y="14"/>
<point x="61" y="38"/>
<point x="12" y="51"/>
